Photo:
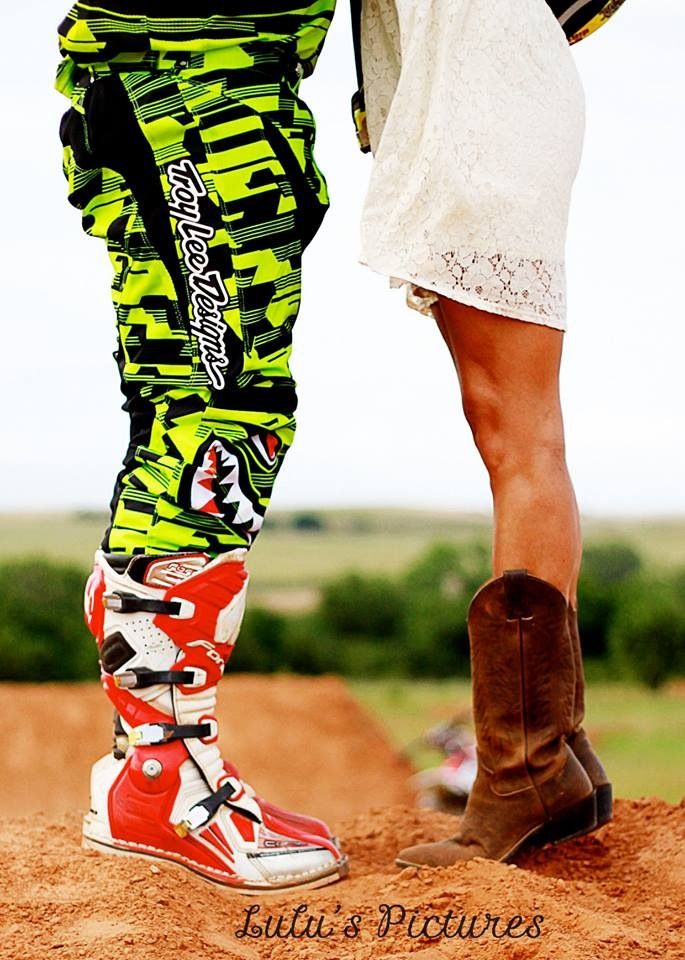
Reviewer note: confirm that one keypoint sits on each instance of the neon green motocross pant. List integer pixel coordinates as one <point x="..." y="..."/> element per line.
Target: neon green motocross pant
<point x="196" y="168"/>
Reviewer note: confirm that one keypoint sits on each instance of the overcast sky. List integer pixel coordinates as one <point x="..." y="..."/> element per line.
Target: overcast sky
<point x="379" y="419"/>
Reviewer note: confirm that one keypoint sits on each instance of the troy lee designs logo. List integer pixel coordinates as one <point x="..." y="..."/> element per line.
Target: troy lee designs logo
<point x="207" y="292"/>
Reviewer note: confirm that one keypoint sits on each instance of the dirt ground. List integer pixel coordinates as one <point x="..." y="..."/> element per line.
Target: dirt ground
<point x="619" y="894"/>
<point x="302" y="743"/>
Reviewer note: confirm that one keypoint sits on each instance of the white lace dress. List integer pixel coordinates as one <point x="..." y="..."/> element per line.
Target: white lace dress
<point x="476" y="117"/>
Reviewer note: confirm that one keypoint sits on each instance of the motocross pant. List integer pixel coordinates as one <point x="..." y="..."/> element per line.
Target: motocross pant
<point x="200" y="177"/>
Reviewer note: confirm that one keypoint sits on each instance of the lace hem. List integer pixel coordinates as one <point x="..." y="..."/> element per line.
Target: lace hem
<point x="530" y="290"/>
<point x="537" y="287"/>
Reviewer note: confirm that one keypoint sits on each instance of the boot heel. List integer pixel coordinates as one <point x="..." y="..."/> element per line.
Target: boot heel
<point x="575" y="821"/>
<point x="605" y="804"/>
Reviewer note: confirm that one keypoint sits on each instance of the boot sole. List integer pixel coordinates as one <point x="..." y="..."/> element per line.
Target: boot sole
<point x="246" y="889"/>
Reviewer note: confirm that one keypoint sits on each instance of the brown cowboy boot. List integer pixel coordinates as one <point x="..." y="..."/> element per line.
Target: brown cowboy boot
<point x="578" y="740"/>
<point x="530" y="789"/>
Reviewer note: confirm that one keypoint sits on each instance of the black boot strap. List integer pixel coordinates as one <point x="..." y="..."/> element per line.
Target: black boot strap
<point x="121" y="602"/>
<point x="201" y="813"/>
<point x="149" y="734"/>
<point x="137" y="679"/>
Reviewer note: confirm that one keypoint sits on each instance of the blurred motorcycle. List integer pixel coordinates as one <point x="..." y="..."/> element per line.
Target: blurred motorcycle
<point x="446" y="787"/>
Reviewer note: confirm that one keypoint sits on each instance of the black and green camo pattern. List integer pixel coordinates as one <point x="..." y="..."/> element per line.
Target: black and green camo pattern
<point x="205" y="236"/>
<point x="115" y="29"/>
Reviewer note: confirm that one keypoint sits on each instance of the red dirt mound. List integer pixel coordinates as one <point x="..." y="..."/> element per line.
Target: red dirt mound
<point x="303" y="743"/>
<point x="618" y="895"/>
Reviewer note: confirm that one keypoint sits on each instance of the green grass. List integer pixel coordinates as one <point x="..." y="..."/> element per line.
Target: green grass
<point x="288" y="565"/>
<point x="638" y="733"/>
<point x="370" y="541"/>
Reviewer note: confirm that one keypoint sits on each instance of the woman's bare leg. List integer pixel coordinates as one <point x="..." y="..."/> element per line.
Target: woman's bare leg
<point x="538" y="778"/>
<point x="509" y="375"/>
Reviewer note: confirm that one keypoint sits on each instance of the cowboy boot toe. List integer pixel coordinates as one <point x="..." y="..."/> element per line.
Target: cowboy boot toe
<point x="443" y="853"/>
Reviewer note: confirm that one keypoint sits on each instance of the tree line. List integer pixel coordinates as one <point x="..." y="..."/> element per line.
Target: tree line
<point x="632" y="621"/>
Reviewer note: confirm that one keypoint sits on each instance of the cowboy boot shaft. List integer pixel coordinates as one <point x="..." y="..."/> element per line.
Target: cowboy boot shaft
<point x="517" y="626"/>
<point x="530" y="788"/>
<point x="578" y="740"/>
<point x="579" y="687"/>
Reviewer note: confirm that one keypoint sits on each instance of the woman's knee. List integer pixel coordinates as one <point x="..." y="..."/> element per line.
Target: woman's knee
<point x="513" y="433"/>
<point x="482" y="409"/>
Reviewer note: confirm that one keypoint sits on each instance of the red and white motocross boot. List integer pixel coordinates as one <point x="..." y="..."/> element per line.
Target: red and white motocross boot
<point x="165" y="628"/>
<point x="301" y="820"/>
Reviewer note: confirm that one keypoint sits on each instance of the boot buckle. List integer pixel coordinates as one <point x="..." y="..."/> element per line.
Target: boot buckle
<point x="196" y="817"/>
<point x="148" y="734"/>
<point x="127" y="680"/>
<point x="203" y="811"/>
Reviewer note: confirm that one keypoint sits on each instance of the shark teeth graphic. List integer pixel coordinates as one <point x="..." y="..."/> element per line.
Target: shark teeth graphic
<point x="216" y="488"/>
<point x="202" y="497"/>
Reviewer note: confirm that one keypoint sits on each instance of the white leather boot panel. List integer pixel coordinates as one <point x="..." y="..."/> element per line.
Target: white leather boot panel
<point x="193" y="789"/>
<point x="102" y="775"/>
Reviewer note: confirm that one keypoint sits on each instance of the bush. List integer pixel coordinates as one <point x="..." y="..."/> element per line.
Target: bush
<point x="447" y="570"/>
<point x="611" y="563"/>
<point x="436" y="642"/>
<point x="413" y="624"/>
<point x="42" y="633"/>
<point x="647" y="634"/>
<point x="439" y="588"/>
<point x="261" y="645"/>
<point x="313" y="522"/>
<point x="606" y="567"/>
<point x="270" y="642"/>
<point x="356" y="605"/>
<point x="311" y="649"/>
